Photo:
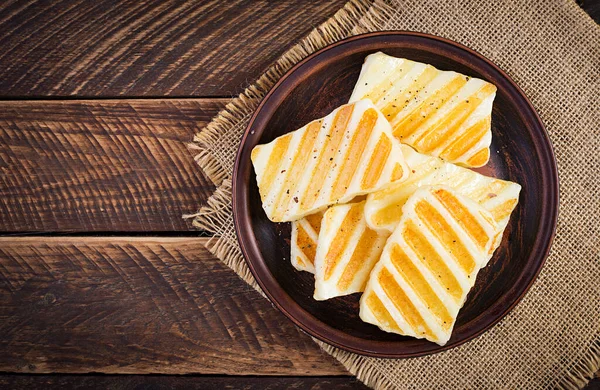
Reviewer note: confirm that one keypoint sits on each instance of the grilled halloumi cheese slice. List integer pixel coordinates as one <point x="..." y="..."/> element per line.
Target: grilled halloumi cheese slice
<point x="349" y="152"/>
<point x="347" y="251"/>
<point x="439" y="113"/>
<point x="384" y="208"/>
<point x="428" y="265"/>
<point x="303" y="244"/>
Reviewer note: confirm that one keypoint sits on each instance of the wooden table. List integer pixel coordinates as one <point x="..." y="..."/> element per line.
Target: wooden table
<point x="99" y="273"/>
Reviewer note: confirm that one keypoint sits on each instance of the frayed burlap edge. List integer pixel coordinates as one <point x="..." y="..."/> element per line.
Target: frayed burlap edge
<point x="582" y="371"/>
<point x="357" y="16"/>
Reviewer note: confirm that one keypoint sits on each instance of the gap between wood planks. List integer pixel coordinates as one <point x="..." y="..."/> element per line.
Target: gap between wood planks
<point x="138" y="305"/>
<point x="83" y="166"/>
<point x="79" y="303"/>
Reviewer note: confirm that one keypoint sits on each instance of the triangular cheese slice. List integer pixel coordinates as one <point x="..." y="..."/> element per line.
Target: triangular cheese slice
<point x="428" y="265"/>
<point x="347" y="251"/>
<point x="331" y="160"/>
<point x="303" y="244"/>
<point x="384" y="208"/>
<point x="439" y="113"/>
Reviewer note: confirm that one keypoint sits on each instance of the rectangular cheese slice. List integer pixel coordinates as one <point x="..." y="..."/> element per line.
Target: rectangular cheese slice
<point x="347" y="251"/>
<point x="439" y="113"/>
<point x="428" y="265"/>
<point x="303" y="244"/>
<point x="384" y="208"/>
<point x="331" y="160"/>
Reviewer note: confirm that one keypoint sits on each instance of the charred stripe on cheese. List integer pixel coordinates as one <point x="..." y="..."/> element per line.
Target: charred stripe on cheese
<point x="381" y="313"/>
<point x="349" y="152"/>
<point x="430" y="109"/>
<point x="383" y="209"/>
<point x="419" y="284"/>
<point x="460" y="213"/>
<point x="409" y="124"/>
<point x="361" y="255"/>
<point x="422" y="279"/>
<point x="328" y="152"/>
<point x="301" y="157"/>
<point x="431" y="258"/>
<point x="405" y="101"/>
<point x="314" y="220"/>
<point x="448" y="128"/>
<point x="377" y="162"/>
<point x="303" y="243"/>
<point x="342" y="239"/>
<point x="403" y="304"/>
<point x="347" y="251"/>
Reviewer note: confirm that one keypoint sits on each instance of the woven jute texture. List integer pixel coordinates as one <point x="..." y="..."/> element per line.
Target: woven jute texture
<point x="552" y="50"/>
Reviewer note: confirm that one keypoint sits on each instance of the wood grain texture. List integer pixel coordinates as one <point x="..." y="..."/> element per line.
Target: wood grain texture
<point x="89" y="166"/>
<point x="140" y="305"/>
<point x="134" y="382"/>
<point x="147" y="48"/>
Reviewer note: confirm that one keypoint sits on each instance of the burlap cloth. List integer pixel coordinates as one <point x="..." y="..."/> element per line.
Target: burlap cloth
<point x="552" y="50"/>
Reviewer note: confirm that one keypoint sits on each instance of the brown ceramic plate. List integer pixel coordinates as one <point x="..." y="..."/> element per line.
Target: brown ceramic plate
<point x="520" y="152"/>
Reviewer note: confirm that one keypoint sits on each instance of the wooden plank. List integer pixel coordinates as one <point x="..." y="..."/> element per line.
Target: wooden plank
<point x="147" y="48"/>
<point x="140" y="305"/>
<point x="134" y="382"/>
<point x="94" y="166"/>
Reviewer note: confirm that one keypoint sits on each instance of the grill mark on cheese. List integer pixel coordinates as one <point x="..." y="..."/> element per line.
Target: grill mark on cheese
<point x="425" y="282"/>
<point x="328" y="152"/>
<point x="482" y="193"/>
<point x="290" y="180"/>
<point x="464" y="218"/>
<point x="419" y="173"/>
<point x="411" y="274"/>
<point x="377" y="93"/>
<point x="431" y="259"/>
<point x="354" y="153"/>
<point x="393" y="108"/>
<point x="314" y="220"/>
<point x="479" y="158"/>
<point x="300" y="262"/>
<point x="411" y="104"/>
<point x="448" y="127"/>
<point x="421" y="114"/>
<point x="445" y="129"/>
<point x="398" y="172"/>
<point x="382" y="315"/>
<point x="488" y="218"/>
<point x="404" y="304"/>
<point x="441" y="229"/>
<point x="465" y="142"/>
<point x="341" y="240"/>
<point x="360" y="255"/>
<point x="272" y="169"/>
<point x="377" y="163"/>
<point x="504" y="209"/>
<point x="306" y="244"/>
